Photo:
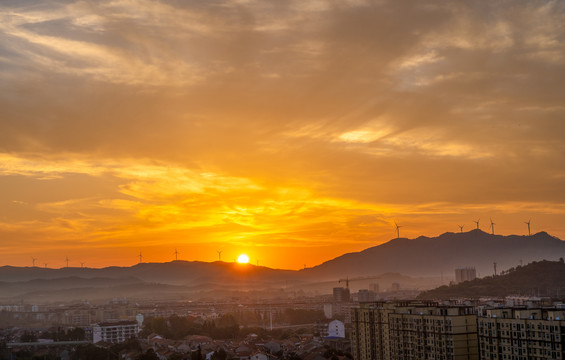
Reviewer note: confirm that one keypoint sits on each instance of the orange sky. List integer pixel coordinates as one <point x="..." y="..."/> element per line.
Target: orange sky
<point x="293" y="131"/>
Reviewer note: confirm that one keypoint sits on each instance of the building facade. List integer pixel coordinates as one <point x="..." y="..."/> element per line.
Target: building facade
<point x="341" y="294"/>
<point x="365" y="295"/>
<point x="465" y="274"/>
<point x="522" y="333"/>
<point x="114" y="332"/>
<point x="336" y="329"/>
<point x="391" y="331"/>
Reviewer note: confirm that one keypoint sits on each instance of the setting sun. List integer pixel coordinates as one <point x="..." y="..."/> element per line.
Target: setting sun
<point x="243" y="259"/>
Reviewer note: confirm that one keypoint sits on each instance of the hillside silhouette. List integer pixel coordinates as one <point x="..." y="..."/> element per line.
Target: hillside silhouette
<point x="416" y="264"/>
<point x="425" y="256"/>
<point x="541" y="278"/>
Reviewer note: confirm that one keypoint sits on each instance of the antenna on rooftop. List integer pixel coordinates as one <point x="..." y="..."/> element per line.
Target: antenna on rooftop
<point x="397" y="230"/>
<point x="33" y="261"/>
<point x="176" y="254"/>
<point x="528" y="223"/>
<point x="492" y="226"/>
<point x="219" y="254"/>
<point x="140" y="257"/>
<point x="67" y="261"/>
<point x="477" y="222"/>
<point x="461" y="227"/>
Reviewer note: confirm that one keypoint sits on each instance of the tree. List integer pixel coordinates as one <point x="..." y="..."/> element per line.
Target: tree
<point x="196" y="355"/>
<point x="93" y="352"/>
<point x="148" y="355"/>
<point x="28" y="337"/>
<point x="292" y="356"/>
<point x="219" y="355"/>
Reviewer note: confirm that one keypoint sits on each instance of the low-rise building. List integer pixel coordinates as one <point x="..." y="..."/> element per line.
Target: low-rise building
<point x="114" y="332"/>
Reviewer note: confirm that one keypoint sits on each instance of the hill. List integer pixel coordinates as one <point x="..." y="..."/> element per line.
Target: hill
<point x="542" y="278"/>
<point x="176" y="279"/>
<point x="415" y="264"/>
<point x="426" y="256"/>
<point x="175" y="272"/>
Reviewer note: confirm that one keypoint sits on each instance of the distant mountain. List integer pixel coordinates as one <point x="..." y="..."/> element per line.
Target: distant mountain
<point x="415" y="264"/>
<point x="543" y="278"/>
<point x="175" y="272"/>
<point x="176" y="279"/>
<point x="426" y="256"/>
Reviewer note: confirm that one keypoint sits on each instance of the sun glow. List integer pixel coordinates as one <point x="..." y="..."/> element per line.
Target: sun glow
<point x="243" y="259"/>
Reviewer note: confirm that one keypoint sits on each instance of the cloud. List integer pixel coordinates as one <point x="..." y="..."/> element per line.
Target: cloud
<point x="276" y="120"/>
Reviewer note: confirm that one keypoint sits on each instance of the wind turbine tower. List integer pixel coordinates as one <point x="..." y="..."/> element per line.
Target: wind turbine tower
<point x="219" y="254"/>
<point x="33" y="261"/>
<point x="397" y="230"/>
<point x="461" y="227"/>
<point x="477" y="222"/>
<point x="492" y="226"/>
<point x="176" y="254"/>
<point x="140" y="257"/>
<point x="82" y="265"/>
<point x="528" y="223"/>
<point x="494" y="269"/>
<point x="67" y="261"/>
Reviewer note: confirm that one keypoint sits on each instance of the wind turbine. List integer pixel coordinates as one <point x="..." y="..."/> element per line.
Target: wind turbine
<point x="81" y="265"/>
<point x="33" y="261"/>
<point x="219" y="254"/>
<point x="477" y="222"/>
<point x="528" y="223"/>
<point x="176" y="254"/>
<point x="461" y="227"/>
<point x="492" y="226"/>
<point x="46" y="265"/>
<point x="67" y="261"/>
<point x="140" y="257"/>
<point x="397" y="230"/>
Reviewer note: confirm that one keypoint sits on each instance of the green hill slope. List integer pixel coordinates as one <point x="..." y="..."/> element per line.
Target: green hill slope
<point x="542" y="278"/>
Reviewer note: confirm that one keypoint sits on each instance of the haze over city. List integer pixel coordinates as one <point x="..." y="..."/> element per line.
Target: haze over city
<point x="292" y="132"/>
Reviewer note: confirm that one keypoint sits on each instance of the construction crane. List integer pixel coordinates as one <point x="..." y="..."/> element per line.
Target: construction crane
<point x="347" y="279"/>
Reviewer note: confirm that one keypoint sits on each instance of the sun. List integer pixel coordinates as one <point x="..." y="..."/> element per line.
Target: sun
<point x="243" y="259"/>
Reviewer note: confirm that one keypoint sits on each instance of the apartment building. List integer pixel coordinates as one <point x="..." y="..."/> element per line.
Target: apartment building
<point x="465" y="274"/>
<point x="521" y="334"/>
<point x="386" y="331"/>
<point x="114" y="332"/>
<point x="370" y="331"/>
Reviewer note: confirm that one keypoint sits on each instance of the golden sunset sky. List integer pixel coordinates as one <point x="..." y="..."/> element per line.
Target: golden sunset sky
<point x="292" y="131"/>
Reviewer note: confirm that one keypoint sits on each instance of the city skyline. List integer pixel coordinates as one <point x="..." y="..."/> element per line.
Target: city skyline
<point x="292" y="132"/>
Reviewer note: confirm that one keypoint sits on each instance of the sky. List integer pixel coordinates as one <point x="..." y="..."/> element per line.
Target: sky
<point x="293" y="131"/>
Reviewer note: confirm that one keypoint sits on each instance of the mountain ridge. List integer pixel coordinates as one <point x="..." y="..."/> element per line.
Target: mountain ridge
<point x="443" y="254"/>
<point x="419" y="264"/>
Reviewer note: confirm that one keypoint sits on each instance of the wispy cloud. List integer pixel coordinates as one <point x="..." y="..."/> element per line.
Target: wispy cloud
<point x="303" y="123"/>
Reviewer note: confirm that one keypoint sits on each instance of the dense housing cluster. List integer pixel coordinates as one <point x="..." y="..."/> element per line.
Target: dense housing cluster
<point x="383" y="331"/>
